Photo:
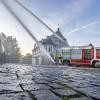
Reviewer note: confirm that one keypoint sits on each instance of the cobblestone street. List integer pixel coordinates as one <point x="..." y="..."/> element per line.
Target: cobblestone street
<point x="23" y="82"/>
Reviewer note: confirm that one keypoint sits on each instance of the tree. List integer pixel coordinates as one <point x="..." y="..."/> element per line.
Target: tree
<point x="12" y="51"/>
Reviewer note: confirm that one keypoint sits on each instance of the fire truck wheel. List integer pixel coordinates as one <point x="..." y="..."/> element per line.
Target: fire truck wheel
<point x="64" y="62"/>
<point x="68" y="63"/>
<point x="94" y="64"/>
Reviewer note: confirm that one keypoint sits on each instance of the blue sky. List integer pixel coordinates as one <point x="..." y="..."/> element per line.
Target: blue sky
<point x="80" y="15"/>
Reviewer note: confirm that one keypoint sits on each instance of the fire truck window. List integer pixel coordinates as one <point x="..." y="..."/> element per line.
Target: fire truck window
<point x="98" y="51"/>
<point x="66" y="52"/>
<point x="58" y="53"/>
<point x="88" y="54"/>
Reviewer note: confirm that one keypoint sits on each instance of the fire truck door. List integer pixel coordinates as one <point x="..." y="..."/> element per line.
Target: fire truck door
<point x="87" y="55"/>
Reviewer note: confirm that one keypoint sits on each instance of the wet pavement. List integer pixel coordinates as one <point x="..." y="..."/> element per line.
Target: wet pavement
<point x="24" y="82"/>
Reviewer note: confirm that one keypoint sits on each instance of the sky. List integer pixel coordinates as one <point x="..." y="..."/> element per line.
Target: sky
<point x="79" y="21"/>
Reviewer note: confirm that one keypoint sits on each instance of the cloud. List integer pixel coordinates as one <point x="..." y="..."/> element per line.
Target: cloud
<point x="69" y="12"/>
<point x="83" y="27"/>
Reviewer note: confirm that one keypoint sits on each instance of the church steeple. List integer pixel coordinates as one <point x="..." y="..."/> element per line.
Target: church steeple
<point x="60" y="34"/>
<point x="58" y="28"/>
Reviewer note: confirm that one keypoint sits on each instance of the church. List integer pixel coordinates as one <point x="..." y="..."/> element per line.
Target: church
<point x="51" y="43"/>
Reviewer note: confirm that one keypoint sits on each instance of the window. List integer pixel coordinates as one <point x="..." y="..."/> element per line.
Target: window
<point x="98" y="53"/>
<point x="46" y="47"/>
<point x="49" y="49"/>
<point x="56" y="41"/>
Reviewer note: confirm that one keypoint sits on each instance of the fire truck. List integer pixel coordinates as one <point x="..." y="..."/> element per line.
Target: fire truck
<point x="78" y="55"/>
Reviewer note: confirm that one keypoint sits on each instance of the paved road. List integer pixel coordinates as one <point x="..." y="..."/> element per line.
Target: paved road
<point x="23" y="82"/>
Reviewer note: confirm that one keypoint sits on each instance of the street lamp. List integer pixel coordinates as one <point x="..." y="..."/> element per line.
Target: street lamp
<point x="2" y="49"/>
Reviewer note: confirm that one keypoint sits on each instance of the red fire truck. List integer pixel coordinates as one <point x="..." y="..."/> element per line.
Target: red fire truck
<point x="78" y="55"/>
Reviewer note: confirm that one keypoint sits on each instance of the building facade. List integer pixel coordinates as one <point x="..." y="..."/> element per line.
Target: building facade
<point x="50" y="43"/>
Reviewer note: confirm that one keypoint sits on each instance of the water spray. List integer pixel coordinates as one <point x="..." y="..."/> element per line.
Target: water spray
<point x="27" y="30"/>
<point x="31" y="13"/>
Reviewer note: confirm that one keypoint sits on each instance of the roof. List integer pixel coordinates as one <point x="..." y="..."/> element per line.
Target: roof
<point x="50" y="41"/>
<point x="47" y="41"/>
<point x="58" y="32"/>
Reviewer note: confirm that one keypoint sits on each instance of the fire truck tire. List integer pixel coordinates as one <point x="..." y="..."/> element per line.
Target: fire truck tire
<point x="94" y="64"/>
<point x="66" y="62"/>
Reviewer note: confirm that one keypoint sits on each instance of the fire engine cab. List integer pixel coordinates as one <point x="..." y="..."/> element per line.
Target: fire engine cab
<point x="78" y="55"/>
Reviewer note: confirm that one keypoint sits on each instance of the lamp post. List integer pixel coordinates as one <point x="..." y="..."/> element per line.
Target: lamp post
<point x="2" y="50"/>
